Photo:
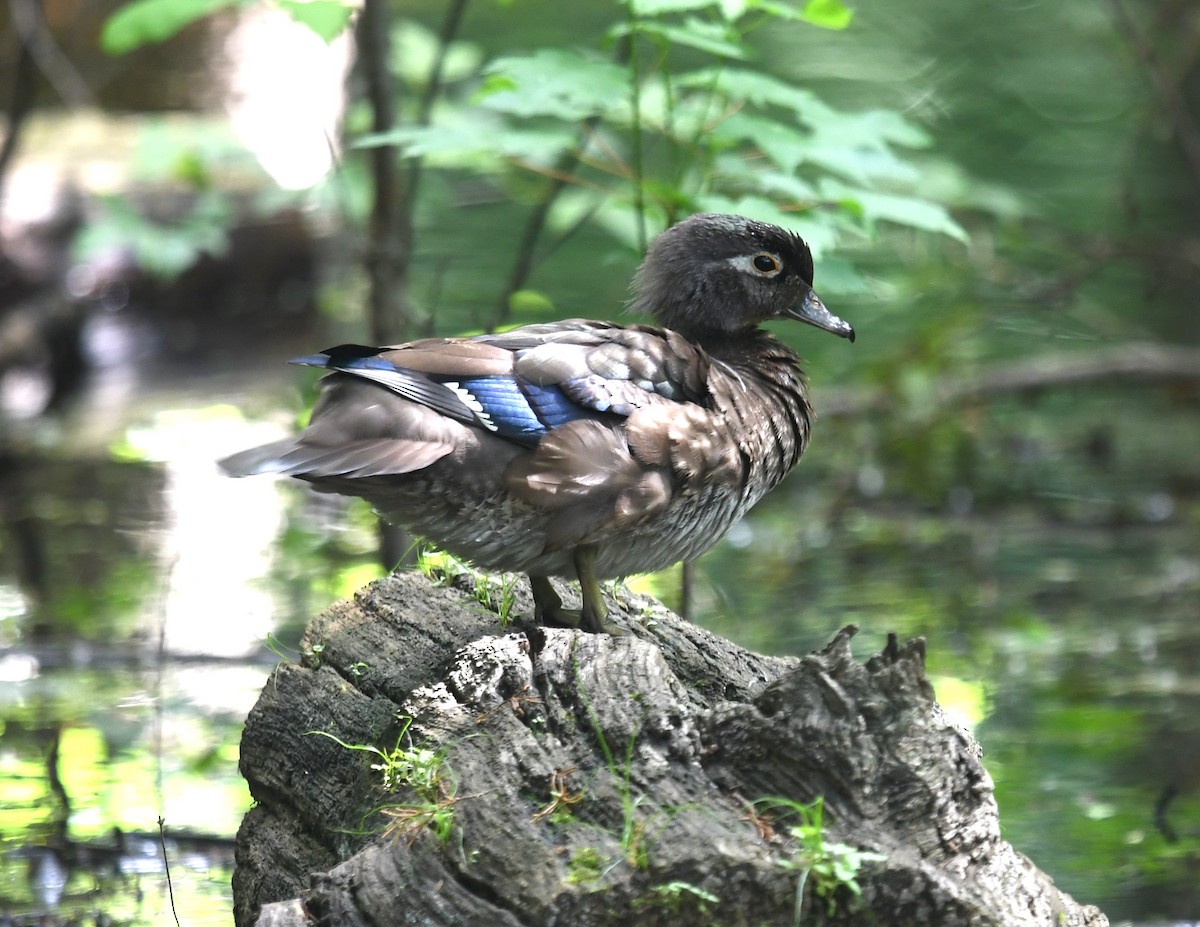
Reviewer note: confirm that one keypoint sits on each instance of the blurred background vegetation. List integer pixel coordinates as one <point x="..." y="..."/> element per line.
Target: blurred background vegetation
<point x="1002" y="198"/>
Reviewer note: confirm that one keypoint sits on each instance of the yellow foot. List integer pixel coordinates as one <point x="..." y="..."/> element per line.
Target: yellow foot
<point x="549" y="610"/>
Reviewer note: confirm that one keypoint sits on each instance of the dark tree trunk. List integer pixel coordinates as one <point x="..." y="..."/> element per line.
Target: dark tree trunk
<point x="587" y="779"/>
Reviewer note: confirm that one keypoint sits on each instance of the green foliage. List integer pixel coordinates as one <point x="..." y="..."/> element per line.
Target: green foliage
<point x="668" y="112"/>
<point x="497" y="592"/>
<point x="327" y="18"/>
<point x="149" y="22"/>
<point x="677" y="897"/>
<point x="417" y="51"/>
<point x="827" y="865"/>
<point x="832" y="14"/>
<point x="530" y="304"/>
<point x="404" y="765"/>
<point x="163" y="249"/>
<point x="165" y="242"/>
<point x="671" y="118"/>
<point x="420" y="769"/>
<point x="585" y="866"/>
<point x="557" y="82"/>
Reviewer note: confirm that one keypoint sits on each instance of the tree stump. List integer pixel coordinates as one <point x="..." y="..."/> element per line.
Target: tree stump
<point x="550" y="776"/>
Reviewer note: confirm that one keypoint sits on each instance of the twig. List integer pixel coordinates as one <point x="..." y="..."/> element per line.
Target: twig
<point x="1169" y="93"/>
<point x="21" y="102"/>
<point x="389" y="235"/>
<point x="61" y="816"/>
<point x="562" y="175"/>
<point x="437" y="70"/>
<point x="527" y="258"/>
<point x="30" y="23"/>
<point x="1132" y="362"/>
<point x="635" y="129"/>
<point x="162" y="840"/>
<point x="160" y="662"/>
<point x="389" y="239"/>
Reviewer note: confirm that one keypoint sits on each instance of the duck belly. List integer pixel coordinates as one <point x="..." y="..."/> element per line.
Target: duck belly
<point x="498" y="531"/>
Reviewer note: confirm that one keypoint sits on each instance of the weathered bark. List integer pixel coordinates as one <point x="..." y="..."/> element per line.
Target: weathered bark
<point x="656" y="742"/>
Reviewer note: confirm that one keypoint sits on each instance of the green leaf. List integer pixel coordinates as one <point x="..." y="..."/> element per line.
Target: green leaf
<point x="148" y="22"/>
<point x="555" y="82"/>
<point x="780" y="142"/>
<point x="873" y="128"/>
<point x="658" y="7"/>
<point x="902" y="210"/>
<point x="526" y="304"/>
<point x="837" y="275"/>
<point x="832" y="14"/>
<point x="327" y="18"/>
<point x="861" y="165"/>
<point x="780" y="9"/>
<point x="858" y="145"/>
<point x="829" y="14"/>
<point x="615" y="215"/>
<point x="416" y="50"/>
<point x="711" y="38"/>
<point x="759" y="89"/>
<point x="785" y="186"/>
<point x="162" y="250"/>
<point x="471" y="142"/>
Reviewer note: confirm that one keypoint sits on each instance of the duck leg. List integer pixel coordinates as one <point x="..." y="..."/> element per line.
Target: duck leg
<point x="548" y="607"/>
<point x="592" y="615"/>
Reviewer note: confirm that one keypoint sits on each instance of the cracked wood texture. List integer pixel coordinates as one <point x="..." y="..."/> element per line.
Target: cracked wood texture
<point x="655" y="744"/>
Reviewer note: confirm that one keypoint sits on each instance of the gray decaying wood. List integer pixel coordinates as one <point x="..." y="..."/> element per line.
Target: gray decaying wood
<point x="656" y="744"/>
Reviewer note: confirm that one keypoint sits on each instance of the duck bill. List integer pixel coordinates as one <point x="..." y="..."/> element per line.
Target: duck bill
<point x="813" y="311"/>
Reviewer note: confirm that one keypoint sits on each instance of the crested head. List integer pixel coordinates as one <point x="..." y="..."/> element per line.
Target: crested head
<point x="724" y="274"/>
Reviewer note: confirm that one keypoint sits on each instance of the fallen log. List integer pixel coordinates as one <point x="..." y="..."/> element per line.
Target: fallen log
<point x="425" y="765"/>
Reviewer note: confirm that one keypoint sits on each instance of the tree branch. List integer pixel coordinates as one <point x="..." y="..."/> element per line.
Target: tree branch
<point x="389" y="240"/>
<point x="1170" y="96"/>
<point x="30" y="24"/>
<point x="21" y="103"/>
<point x="433" y="87"/>
<point x="1148" y="363"/>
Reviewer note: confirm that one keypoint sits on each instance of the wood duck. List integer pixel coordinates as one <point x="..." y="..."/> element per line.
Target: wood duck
<point x="581" y="448"/>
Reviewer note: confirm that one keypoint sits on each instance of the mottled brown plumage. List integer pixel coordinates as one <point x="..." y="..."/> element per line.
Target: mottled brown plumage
<point x="581" y="448"/>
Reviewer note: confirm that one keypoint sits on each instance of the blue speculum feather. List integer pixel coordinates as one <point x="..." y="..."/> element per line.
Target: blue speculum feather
<point x="514" y="409"/>
<point x="507" y="408"/>
<point x="523" y="411"/>
<point x="552" y="407"/>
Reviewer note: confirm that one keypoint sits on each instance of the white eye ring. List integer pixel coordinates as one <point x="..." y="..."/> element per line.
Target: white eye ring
<point x="762" y="264"/>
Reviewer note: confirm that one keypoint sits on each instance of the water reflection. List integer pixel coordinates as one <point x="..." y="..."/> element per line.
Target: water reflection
<point x="123" y="679"/>
<point x="91" y="759"/>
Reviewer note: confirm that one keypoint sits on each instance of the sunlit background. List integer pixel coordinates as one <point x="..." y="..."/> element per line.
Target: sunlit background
<point x="1007" y="461"/>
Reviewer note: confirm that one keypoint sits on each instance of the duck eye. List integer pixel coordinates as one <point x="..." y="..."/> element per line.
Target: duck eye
<point x="765" y="263"/>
